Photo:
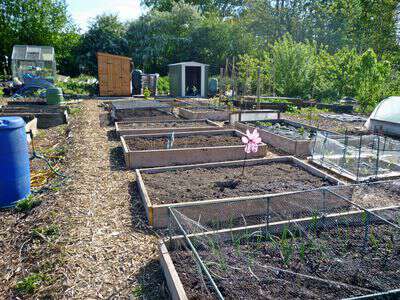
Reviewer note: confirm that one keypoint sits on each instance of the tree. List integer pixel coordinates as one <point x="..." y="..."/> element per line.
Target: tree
<point x="293" y="67"/>
<point x="224" y="8"/>
<point x="106" y="34"/>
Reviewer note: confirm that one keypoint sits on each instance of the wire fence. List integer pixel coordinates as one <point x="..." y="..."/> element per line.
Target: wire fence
<point x="360" y="158"/>
<point x="329" y="242"/>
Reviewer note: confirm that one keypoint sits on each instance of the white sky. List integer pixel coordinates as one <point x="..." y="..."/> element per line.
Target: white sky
<point x="82" y="11"/>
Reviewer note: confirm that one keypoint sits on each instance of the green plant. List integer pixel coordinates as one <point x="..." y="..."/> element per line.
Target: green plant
<point x="75" y="110"/>
<point x="163" y="85"/>
<point x="27" y="204"/>
<point x="52" y="231"/>
<point x="30" y="283"/>
<point x="146" y="93"/>
<point x="138" y="291"/>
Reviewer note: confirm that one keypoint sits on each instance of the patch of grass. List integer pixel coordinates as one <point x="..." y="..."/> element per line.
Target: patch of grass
<point x="30" y="283"/>
<point x="138" y="291"/>
<point x="27" y="204"/>
<point x="52" y="231"/>
<point x="75" y="110"/>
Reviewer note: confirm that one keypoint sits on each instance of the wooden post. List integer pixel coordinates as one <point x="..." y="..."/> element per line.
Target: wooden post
<point x="221" y="89"/>
<point x="258" y="86"/>
<point x="233" y="78"/>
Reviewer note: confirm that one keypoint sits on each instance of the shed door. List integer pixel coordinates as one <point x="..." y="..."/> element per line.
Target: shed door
<point x="114" y="75"/>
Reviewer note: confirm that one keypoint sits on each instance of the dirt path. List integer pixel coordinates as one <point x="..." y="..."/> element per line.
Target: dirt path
<point x="110" y="252"/>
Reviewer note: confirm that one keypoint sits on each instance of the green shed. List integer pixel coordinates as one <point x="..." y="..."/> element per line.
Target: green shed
<point x="188" y="79"/>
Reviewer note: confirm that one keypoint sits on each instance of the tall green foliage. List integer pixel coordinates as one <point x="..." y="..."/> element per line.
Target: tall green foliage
<point x="293" y="67"/>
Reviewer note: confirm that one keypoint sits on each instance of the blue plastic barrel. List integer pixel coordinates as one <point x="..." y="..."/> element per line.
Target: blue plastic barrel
<point x="14" y="161"/>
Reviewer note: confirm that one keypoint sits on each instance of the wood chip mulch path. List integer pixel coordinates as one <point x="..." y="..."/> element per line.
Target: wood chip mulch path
<point x="111" y="253"/>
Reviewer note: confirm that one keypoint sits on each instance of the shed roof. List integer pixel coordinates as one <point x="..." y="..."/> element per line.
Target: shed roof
<point x="30" y="52"/>
<point x="189" y="64"/>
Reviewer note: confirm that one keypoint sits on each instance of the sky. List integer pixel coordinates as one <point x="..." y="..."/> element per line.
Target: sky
<point x="82" y="11"/>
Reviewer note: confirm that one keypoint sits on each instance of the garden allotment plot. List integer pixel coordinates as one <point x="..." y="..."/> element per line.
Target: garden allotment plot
<point x="326" y="253"/>
<point x="221" y="190"/>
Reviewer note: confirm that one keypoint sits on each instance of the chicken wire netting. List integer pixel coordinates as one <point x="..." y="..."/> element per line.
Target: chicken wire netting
<point x="359" y="158"/>
<point x="312" y="244"/>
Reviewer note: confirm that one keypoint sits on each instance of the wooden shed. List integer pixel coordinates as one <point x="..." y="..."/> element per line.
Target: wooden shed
<point x="115" y="75"/>
<point x="188" y="79"/>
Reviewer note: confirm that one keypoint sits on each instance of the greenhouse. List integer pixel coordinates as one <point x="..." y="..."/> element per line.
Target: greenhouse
<point x="386" y="117"/>
<point x="34" y="60"/>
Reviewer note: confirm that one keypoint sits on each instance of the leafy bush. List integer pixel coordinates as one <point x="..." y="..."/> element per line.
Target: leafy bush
<point x="163" y="85"/>
<point x="293" y="69"/>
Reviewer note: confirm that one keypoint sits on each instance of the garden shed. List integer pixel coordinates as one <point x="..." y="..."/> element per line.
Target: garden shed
<point x="34" y="60"/>
<point x="386" y="117"/>
<point x="114" y="73"/>
<point x="188" y="79"/>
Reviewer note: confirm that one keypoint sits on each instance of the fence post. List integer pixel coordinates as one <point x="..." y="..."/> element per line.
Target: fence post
<point x="221" y="89"/>
<point x="366" y="231"/>
<point x="359" y="157"/>
<point x="268" y="212"/>
<point x="377" y="156"/>
<point x="258" y="86"/>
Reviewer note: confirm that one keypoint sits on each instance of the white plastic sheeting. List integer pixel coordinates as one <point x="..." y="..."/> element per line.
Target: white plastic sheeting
<point x="386" y="117"/>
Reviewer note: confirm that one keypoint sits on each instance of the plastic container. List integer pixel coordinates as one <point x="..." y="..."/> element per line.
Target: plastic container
<point x="14" y="161"/>
<point x="54" y="96"/>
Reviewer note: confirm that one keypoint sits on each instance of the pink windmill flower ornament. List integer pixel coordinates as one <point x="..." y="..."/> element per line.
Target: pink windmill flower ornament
<point x="251" y="141"/>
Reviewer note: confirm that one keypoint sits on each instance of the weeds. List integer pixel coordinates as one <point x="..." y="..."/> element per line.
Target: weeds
<point x="31" y="283"/>
<point x="27" y="204"/>
<point x="52" y="231"/>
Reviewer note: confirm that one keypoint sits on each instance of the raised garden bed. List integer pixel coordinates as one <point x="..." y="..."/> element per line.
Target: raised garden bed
<point x="253" y="115"/>
<point x="141" y="110"/>
<point x="128" y="128"/>
<point x="151" y="150"/>
<point x="47" y="115"/>
<point x="284" y="105"/>
<point x="209" y="113"/>
<point x="290" y="137"/>
<point x="339" y="255"/>
<point x="211" y="187"/>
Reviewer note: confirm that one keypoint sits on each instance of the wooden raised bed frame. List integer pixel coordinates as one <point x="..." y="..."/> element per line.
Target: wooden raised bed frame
<point x="301" y="148"/>
<point x="157" y="214"/>
<point x="181" y="156"/>
<point x="215" y="115"/>
<point x="148" y="130"/>
<point x="174" y="283"/>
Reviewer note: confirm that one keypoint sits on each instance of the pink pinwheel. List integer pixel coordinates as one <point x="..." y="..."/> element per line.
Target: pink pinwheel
<point x="251" y="140"/>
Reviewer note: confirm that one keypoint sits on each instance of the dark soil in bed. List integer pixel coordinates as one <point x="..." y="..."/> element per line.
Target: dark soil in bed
<point x="242" y="270"/>
<point x="164" y="125"/>
<point x="222" y="182"/>
<point x="194" y="141"/>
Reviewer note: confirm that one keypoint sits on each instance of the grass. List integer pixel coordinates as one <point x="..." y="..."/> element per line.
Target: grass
<point x="75" y="110"/>
<point x="30" y="283"/>
<point x="27" y="204"/>
<point x="52" y="231"/>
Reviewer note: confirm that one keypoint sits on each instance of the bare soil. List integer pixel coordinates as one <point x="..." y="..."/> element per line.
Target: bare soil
<point x="195" y="141"/>
<point x="176" y="124"/>
<point x="202" y="183"/>
<point x="241" y="271"/>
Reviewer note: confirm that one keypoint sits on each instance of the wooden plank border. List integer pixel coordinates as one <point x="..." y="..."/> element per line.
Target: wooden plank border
<point x="157" y="214"/>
